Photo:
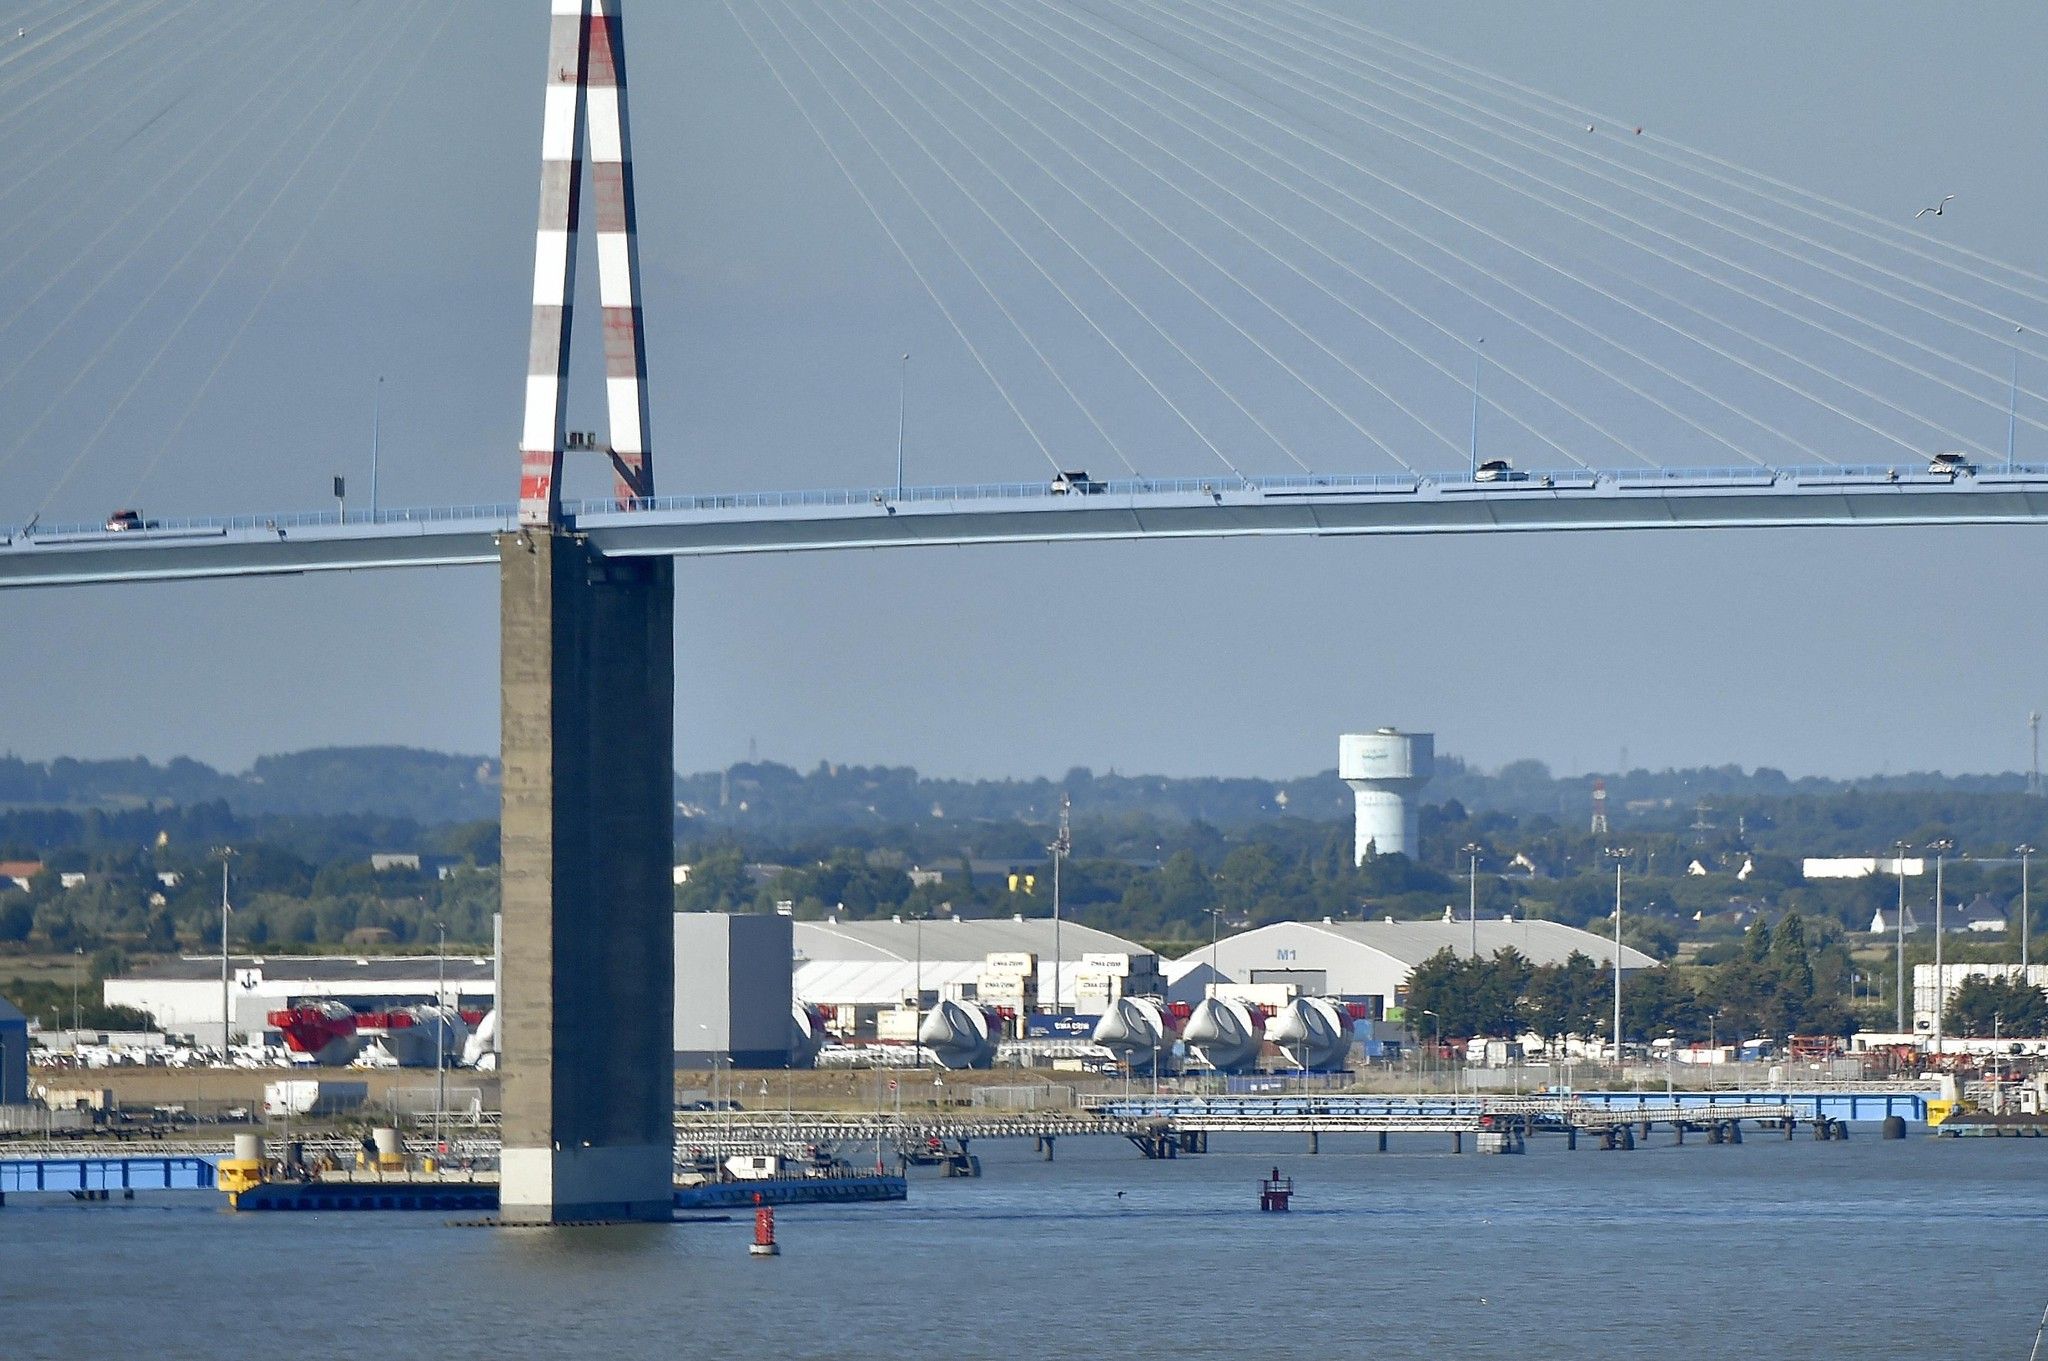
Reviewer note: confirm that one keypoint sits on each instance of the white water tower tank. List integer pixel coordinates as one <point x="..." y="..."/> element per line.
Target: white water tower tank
<point x="1386" y="769"/>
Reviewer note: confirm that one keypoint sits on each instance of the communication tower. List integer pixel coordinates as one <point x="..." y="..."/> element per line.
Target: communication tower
<point x="1599" y="808"/>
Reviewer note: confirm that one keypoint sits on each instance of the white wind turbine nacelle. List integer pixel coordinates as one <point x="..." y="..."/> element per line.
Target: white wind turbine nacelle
<point x="959" y="1035"/>
<point x="1136" y="1031"/>
<point x="807" y="1035"/>
<point x="1314" y="1031"/>
<point x="1223" y="1034"/>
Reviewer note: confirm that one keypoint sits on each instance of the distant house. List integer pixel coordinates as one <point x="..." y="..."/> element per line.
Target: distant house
<point x="20" y="872"/>
<point x="437" y="865"/>
<point x="1884" y="921"/>
<point x="1980" y="915"/>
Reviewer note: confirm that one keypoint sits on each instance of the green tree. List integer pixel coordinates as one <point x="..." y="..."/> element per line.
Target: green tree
<point x="2007" y="1006"/>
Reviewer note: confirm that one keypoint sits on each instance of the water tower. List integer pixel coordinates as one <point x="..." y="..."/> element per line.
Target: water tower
<point x="1385" y="769"/>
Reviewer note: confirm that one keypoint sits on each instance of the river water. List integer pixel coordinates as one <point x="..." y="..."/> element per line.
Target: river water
<point x="1773" y="1248"/>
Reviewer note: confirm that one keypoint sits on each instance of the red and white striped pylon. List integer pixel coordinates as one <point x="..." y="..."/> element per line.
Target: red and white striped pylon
<point x="586" y="90"/>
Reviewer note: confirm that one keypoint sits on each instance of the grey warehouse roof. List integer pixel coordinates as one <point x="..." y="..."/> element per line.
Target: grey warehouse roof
<point x="320" y="968"/>
<point x="1412" y="942"/>
<point x="950" y="939"/>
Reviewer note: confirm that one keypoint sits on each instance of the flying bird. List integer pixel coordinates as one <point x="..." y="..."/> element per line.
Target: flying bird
<point x="1936" y="209"/>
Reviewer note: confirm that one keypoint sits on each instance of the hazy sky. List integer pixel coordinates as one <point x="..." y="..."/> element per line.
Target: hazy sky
<point x="776" y="312"/>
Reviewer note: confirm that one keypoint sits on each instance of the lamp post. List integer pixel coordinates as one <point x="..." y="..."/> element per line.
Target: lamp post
<point x="440" y="1026"/>
<point x="1062" y="843"/>
<point x="1617" y="854"/>
<point x="1714" y="1044"/>
<point x="1473" y="447"/>
<point x="2012" y="411"/>
<point x="1899" y="863"/>
<point x="77" y="963"/>
<point x="2026" y="855"/>
<point x="1941" y="846"/>
<point x="1472" y="893"/>
<point x="902" y="387"/>
<point x="375" y="430"/>
<point x="1436" y="1044"/>
<point x="226" y="1012"/>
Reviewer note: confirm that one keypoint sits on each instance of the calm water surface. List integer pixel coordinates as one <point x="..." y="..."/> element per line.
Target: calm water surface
<point x="1789" y="1250"/>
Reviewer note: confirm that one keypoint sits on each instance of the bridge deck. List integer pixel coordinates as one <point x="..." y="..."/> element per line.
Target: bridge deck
<point x="1297" y="506"/>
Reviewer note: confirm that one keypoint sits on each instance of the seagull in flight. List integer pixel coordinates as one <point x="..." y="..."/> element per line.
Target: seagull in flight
<point x="1936" y="209"/>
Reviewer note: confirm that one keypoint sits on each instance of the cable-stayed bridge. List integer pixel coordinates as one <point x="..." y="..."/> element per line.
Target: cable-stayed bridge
<point x="1260" y="266"/>
<point x="1263" y="268"/>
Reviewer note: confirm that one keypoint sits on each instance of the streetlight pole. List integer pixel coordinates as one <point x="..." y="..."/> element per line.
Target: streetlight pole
<point x="2012" y="411"/>
<point x="1714" y="1045"/>
<point x="2026" y="854"/>
<point x="1899" y="863"/>
<point x="440" y="1026"/>
<point x="226" y="1012"/>
<point x="1473" y="449"/>
<point x="902" y="386"/>
<point x="1941" y="846"/>
<point x="1617" y="854"/>
<point x="1472" y="893"/>
<point x="1436" y="1044"/>
<point x="376" y="430"/>
<point x="1061" y="844"/>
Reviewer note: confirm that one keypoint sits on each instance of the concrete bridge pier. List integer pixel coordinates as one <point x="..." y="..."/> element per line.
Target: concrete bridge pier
<point x="1383" y="1141"/>
<point x="1315" y="1142"/>
<point x="588" y="662"/>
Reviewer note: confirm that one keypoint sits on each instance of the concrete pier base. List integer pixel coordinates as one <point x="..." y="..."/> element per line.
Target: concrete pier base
<point x="587" y="650"/>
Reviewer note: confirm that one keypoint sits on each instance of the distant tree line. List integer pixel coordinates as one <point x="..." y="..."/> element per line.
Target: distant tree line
<point x="1784" y="980"/>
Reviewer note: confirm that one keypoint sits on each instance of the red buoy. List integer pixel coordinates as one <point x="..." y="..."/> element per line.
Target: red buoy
<point x="764" y="1230"/>
<point x="1274" y="1193"/>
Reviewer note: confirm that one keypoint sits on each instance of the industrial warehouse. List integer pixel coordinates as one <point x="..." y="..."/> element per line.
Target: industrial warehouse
<point x="766" y="991"/>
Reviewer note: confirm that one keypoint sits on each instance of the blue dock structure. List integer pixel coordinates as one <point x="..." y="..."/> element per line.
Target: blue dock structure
<point x="103" y="1177"/>
<point x="1861" y="1102"/>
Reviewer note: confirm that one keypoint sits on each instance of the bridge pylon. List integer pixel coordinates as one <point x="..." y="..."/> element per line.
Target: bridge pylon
<point x="588" y="697"/>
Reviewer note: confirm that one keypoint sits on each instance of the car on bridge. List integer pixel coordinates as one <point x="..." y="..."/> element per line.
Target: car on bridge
<point x="123" y="520"/>
<point x="1497" y="470"/>
<point x="1951" y="461"/>
<point x="1078" y="483"/>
